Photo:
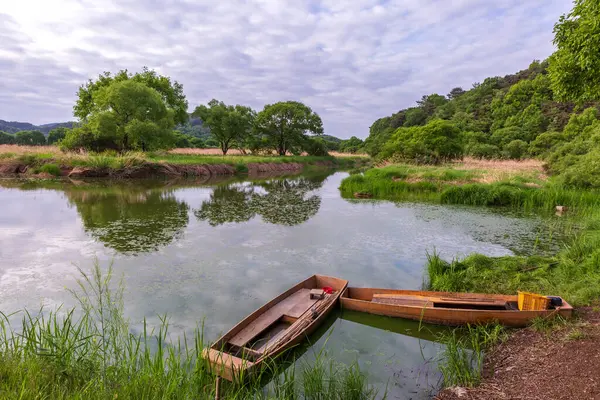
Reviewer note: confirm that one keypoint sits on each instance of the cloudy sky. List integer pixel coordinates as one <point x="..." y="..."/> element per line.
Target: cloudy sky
<point x="352" y="61"/>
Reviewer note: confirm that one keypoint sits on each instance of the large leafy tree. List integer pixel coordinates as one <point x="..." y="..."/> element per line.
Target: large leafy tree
<point x="126" y="114"/>
<point x="287" y="124"/>
<point x="171" y="92"/>
<point x="575" y="66"/>
<point x="229" y="125"/>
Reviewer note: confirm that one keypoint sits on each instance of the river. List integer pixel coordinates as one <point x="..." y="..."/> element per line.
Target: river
<point x="216" y="251"/>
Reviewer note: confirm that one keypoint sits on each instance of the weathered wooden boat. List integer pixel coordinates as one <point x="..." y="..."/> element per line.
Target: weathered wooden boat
<point x="447" y="308"/>
<point x="275" y="327"/>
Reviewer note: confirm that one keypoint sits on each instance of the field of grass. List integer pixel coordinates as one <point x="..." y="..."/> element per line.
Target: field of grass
<point x="90" y="353"/>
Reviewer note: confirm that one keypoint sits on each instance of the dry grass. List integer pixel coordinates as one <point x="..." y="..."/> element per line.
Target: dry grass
<point x="503" y="170"/>
<point x="20" y="150"/>
<point x="206" y="152"/>
<point x="236" y="152"/>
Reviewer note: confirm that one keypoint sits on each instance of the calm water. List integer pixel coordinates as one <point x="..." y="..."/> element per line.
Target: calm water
<point x="217" y="252"/>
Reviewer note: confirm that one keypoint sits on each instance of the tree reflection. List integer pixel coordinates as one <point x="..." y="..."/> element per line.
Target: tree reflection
<point x="277" y="201"/>
<point x="131" y="220"/>
<point x="228" y="203"/>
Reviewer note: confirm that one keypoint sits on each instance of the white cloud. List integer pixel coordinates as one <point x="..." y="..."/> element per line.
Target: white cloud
<point x="351" y="61"/>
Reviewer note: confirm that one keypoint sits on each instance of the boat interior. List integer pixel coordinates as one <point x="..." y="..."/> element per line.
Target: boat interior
<point x="276" y="320"/>
<point x="465" y="301"/>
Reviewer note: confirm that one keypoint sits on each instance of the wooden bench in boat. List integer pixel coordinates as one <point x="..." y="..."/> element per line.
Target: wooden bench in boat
<point x="426" y="301"/>
<point x="289" y="309"/>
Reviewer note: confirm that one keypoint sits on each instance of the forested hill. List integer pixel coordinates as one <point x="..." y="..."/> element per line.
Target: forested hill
<point x="14" y="127"/>
<point x="515" y="116"/>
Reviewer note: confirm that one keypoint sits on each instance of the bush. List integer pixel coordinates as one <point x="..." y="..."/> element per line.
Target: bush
<point x="436" y="142"/>
<point x="51" y="169"/>
<point x="585" y="172"/>
<point x="315" y="147"/>
<point x="516" y="150"/>
<point x="483" y="150"/>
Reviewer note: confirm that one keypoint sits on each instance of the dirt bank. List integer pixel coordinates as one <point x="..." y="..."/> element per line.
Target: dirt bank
<point x="561" y="364"/>
<point x="150" y="170"/>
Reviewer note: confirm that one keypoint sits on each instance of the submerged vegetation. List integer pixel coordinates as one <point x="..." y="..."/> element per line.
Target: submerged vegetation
<point x="90" y="352"/>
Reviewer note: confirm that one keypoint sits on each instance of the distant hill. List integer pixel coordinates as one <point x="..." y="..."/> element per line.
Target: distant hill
<point x="14" y="126"/>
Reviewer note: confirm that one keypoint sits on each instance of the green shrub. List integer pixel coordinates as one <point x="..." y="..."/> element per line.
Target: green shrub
<point x="483" y="150"/>
<point x="517" y="149"/>
<point x="436" y="142"/>
<point x="51" y="169"/>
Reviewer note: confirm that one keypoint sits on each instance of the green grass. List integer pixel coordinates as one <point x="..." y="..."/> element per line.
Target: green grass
<point x="90" y="353"/>
<point x="461" y="360"/>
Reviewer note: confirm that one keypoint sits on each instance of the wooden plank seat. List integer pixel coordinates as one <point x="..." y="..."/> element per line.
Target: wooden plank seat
<point x="427" y="301"/>
<point x="293" y="306"/>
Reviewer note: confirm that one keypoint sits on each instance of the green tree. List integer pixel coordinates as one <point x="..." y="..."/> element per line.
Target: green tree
<point x="287" y="124"/>
<point x="229" y="125"/>
<point x="436" y="142"/>
<point x="6" y="138"/>
<point x="415" y="116"/>
<point x="56" y="135"/>
<point x="315" y="146"/>
<point x="429" y="103"/>
<point x="170" y="92"/>
<point x="30" y="138"/>
<point x="126" y="115"/>
<point x="575" y="66"/>
<point x="351" y="145"/>
<point x="456" y="93"/>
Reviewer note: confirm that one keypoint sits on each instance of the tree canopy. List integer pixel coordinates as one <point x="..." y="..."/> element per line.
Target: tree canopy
<point x="287" y="124"/>
<point x="170" y="92"/>
<point x="575" y="66"/>
<point x="6" y="138"/>
<point x="30" y="138"/>
<point x="123" y="114"/>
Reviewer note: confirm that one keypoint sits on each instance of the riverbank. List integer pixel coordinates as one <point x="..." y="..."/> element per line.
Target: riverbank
<point x="558" y="362"/>
<point x="50" y="162"/>
<point x="573" y="272"/>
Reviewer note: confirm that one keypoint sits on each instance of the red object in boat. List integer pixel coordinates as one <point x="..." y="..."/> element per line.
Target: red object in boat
<point x="328" y="289"/>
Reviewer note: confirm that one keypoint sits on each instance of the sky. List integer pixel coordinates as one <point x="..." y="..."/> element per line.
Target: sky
<point x="351" y="61"/>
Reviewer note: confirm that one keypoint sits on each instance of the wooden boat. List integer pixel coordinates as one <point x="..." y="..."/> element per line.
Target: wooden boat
<point x="446" y="308"/>
<point x="274" y="328"/>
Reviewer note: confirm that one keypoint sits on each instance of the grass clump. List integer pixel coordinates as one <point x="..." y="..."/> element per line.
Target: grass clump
<point x="51" y="169"/>
<point x="91" y="353"/>
<point x="461" y="360"/>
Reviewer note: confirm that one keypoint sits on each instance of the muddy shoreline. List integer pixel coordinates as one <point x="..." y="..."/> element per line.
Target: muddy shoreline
<point x="149" y="170"/>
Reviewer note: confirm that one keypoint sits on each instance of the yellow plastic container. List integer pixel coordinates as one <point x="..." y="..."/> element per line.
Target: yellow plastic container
<point x="532" y="302"/>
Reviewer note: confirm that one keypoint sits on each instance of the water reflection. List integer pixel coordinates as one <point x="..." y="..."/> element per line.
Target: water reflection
<point x="131" y="220"/>
<point x="278" y="201"/>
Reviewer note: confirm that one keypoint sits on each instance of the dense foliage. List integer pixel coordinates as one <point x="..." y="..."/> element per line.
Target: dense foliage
<point x="548" y="110"/>
<point x="231" y="126"/>
<point x="286" y="126"/>
<point x="575" y="66"/>
<point x="433" y="143"/>
<point x="127" y="113"/>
